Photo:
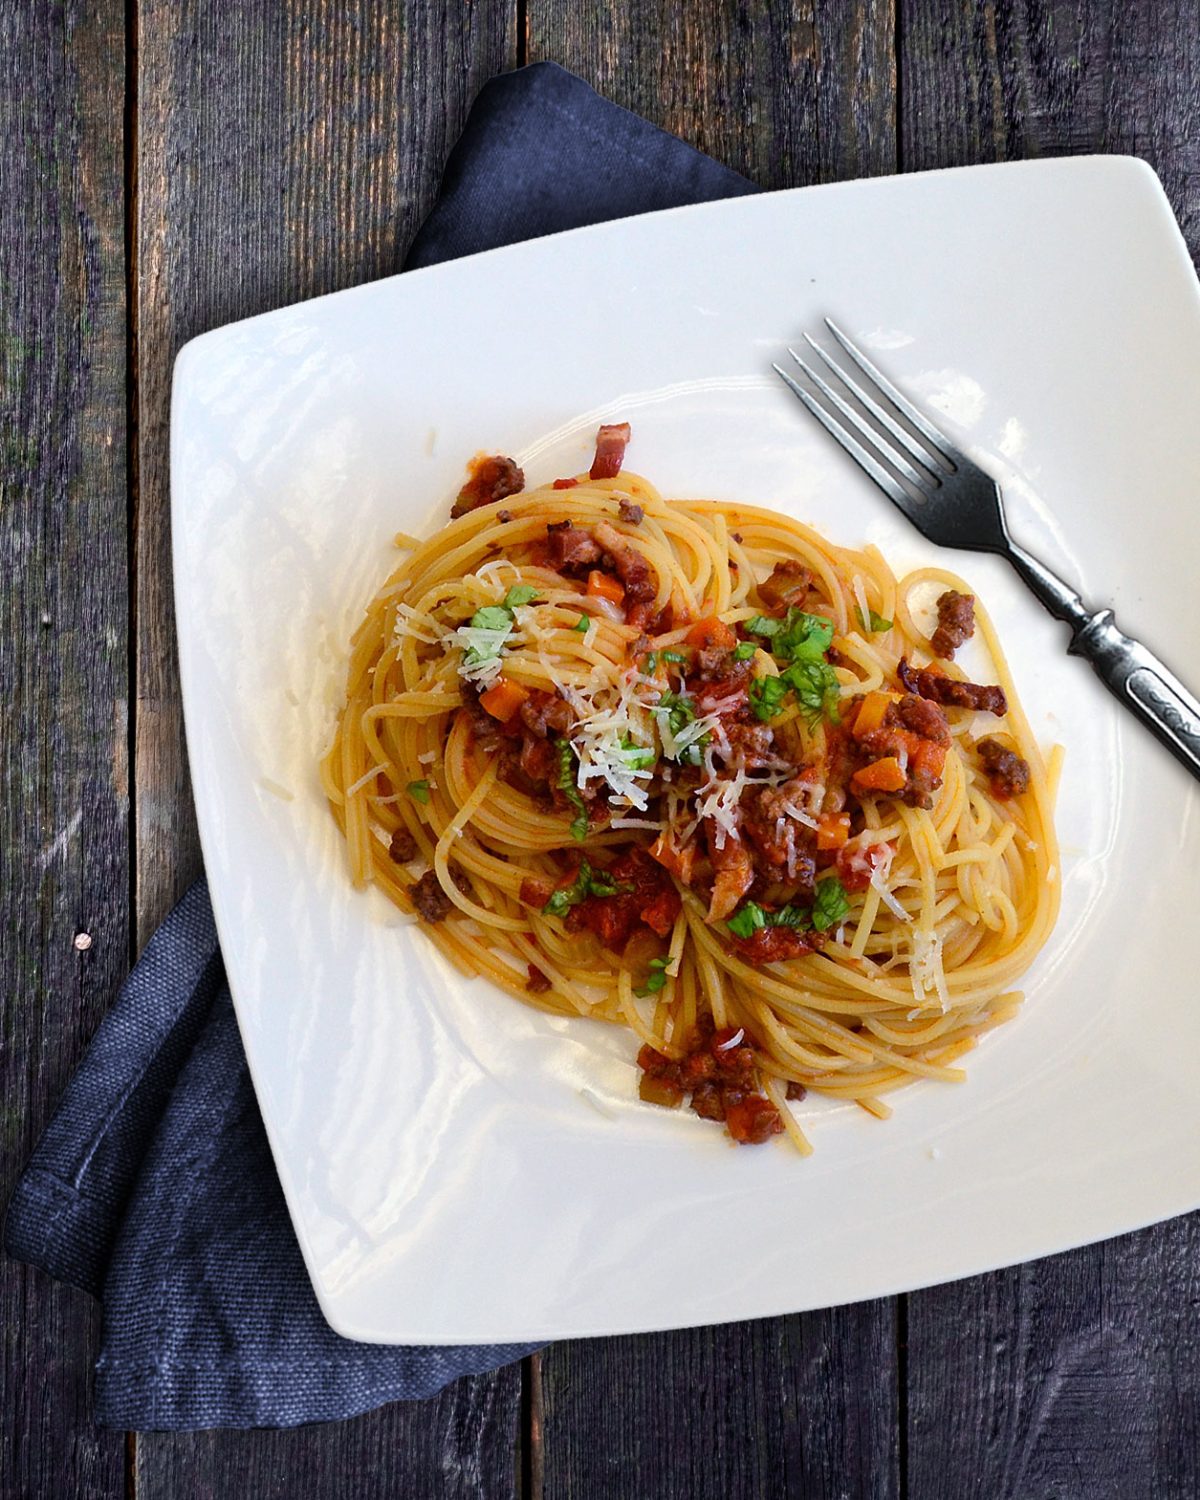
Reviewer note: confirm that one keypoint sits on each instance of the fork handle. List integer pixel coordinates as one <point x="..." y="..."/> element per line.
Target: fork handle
<point x="1136" y="677"/>
<point x="1131" y="672"/>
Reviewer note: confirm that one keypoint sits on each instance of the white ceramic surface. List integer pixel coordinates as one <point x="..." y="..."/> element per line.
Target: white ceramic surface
<point x="461" y="1168"/>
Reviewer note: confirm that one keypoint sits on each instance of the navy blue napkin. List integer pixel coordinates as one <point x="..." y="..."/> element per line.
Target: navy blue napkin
<point x="153" y="1187"/>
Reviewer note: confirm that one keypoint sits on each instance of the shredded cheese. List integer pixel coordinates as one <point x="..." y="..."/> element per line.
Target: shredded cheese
<point x="925" y="969"/>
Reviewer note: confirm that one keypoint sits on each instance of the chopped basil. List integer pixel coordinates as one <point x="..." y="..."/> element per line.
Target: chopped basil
<point x="830" y="904"/>
<point x="874" y="623"/>
<point x="418" y="791"/>
<point x="520" y="593"/>
<point x="587" y="882"/>
<point x="763" y="625"/>
<point x="803" y="637"/>
<point x="566" y="784"/>
<point x="637" y="757"/>
<point x="675" y="656"/>
<point x="746" y="921"/>
<point x="656" y="979"/>
<point x="744" y="650"/>
<point x="767" y="695"/>
<point x="582" y="624"/>
<point x="817" y="690"/>
<point x="492" y="617"/>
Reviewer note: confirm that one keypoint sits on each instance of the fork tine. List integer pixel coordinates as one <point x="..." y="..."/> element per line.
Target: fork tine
<point x="901" y="434"/>
<point x="887" y="482"/>
<point x="902" y="404"/>
<point x="897" y="460"/>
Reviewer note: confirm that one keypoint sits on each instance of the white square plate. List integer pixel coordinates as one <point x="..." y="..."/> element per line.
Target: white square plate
<point x="462" y="1168"/>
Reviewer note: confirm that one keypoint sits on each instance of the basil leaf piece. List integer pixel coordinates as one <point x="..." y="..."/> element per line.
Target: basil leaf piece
<point x="491" y="617"/>
<point x="830" y="904"/>
<point x="763" y="625"/>
<point x="744" y="650"/>
<point x="520" y="593"/>
<point x="582" y="624"/>
<point x="418" y="791"/>
<point x="746" y="921"/>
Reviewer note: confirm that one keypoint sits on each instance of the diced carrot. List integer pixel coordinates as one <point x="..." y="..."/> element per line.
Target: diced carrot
<point x="883" y="775"/>
<point x="870" y="714"/>
<point x="928" y="756"/>
<point x="664" y="1091"/>
<point x="503" y="699"/>
<point x="711" y="632"/>
<point x="833" y="829"/>
<point x="606" y="586"/>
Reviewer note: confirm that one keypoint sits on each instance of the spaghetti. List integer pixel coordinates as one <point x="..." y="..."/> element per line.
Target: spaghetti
<point x="687" y="767"/>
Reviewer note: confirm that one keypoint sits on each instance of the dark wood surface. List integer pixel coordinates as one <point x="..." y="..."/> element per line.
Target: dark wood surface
<point x="168" y="165"/>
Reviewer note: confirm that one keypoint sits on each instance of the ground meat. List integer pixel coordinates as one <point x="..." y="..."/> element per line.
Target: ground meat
<point x="484" y="728"/>
<point x="611" y="442"/>
<point x="432" y="903"/>
<point x="936" y="686"/>
<point x="787" y="585"/>
<point x="751" y="746"/>
<point x="778" y="838"/>
<point x="726" y="696"/>
<point x="564" y="484"/>
<point x="504" y="517"/>
<point x="491" y="478"/>
<point x="546" y="713"/>
<point x="536" y="890"/>
<point x="720" y="1079"/>
<point x="630" y="513"/>
<point x="538" y="760"/>
<point x="651" y="900"/>
<point x="403" y="846"/>
<point x="628" y="564"/>
<point x="569" y="546"/>
<point x="713" y="662"/>
<point x="796" y="1090"/>
<point x="923" y="718"/>
<point x="918" y="790"/>
<point x="751" y="1119"/>
<point x="956" y="622"/>
<point x="537" y="983"/>
<point x="733" y="870"/>
<point x="772" y="945"/>
<point x="1007" y="771"/>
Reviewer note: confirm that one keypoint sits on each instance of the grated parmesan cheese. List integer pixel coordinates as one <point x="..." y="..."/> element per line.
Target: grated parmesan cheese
<point x="925" y="968"/>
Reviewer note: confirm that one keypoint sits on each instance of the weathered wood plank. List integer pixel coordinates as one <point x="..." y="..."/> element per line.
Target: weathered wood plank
<point x="1076" y="1375"/>
<point x="63" y="667"/>
<point x="997" y="82"/>
<point x="805" y="1405"/>
<point x="284" y="151"/>
<point x="787" y="94"/>
<point x="459" y="1446"/>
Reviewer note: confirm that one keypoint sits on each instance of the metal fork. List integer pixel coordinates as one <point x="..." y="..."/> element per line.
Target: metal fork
<point x="954" y="503"/>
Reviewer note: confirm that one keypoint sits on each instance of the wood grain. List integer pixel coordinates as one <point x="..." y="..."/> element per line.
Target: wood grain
<point x="1077" y="1375"/>
<point x="803" y="1405"/>
<point x="63" y="667"/>
<point x="284" y="150"/>
<point x="1023" y="78"/>
<point x="459" y="1446"/>
<point x="786" y="94"/>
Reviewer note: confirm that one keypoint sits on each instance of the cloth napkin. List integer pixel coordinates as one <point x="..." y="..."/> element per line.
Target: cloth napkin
<point x="153" y="1187"/>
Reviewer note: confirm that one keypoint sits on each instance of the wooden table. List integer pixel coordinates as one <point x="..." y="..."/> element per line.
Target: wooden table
<point x="168" y="165"/>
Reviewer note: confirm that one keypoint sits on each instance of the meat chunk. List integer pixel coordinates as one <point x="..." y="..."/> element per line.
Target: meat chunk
<point x="923" y="718"/>
<point x="1008" y="772"/>
<point x="537" y="983"/>
<point x="751" y="746"/>
<point x="545" y="713"/>
<point x="956" y="622"/>
<point x="772" y="945"/>
<point x="783" y="845"/>
<point x="611" y="442"/>
<point x="403" y="846"/>
<point x="751" y="1119"/>
<point x="630" y="513"/>
<point x="484" y="729"/>
<point x="796" y="1090"/>
<point x="569" y="546"/>
<point x="628" y="563"/>
<point x="786" y="587"/>
<point x="536" y="890"/>
<point x="538" y="760"/>
<point x="649" y="898"/>
<point x="492" y="477"/>
<point x="733" y="870"/>
<point x="949" y="691"/>
<point x="432" y="903"/>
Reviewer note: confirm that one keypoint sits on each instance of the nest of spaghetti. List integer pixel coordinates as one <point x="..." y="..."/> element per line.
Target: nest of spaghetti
<point x="688" y="767"/>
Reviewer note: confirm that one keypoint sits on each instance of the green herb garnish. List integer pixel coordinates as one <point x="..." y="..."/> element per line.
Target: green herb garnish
<point x="587" y="882"/>
<point x="582" y="624"/>
<point x="874" y="624"/>
<point x="418" y="791"/>
<point x="492" y="617"/>
<point x="566" y="784"/>
<point x="744" y="650"/>
<point x="656" y="979"/>
<point x="830" y="904"/>
<point x="637" y="757"/>
<point x="520" y="593"/>
<point x="675" y="656"/>
<point x="767" y="695"/>
<point x="803" y="637"/>
<point x="763" y="625"/>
